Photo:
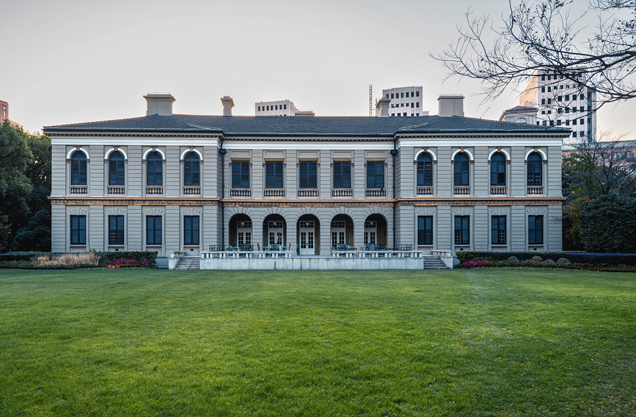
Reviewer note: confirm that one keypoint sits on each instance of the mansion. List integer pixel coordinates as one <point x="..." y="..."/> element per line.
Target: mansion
<point x="171" y="183"/>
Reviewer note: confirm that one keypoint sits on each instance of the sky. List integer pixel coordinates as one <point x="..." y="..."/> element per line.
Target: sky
<point x="80" y="61"/>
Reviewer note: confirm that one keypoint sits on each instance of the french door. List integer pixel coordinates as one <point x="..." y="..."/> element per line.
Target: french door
<point x="307" y="230"/>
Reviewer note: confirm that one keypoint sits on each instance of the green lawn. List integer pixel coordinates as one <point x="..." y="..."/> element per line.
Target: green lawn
<point x="268" y="343"/>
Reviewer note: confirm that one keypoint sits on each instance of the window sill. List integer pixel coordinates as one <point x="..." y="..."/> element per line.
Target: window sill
<point x="535" y="247"/>
<point x="115" y="246"/>
<point x="499" y="246"/>
<point x="190" y="246"/>
<point x="154" y="246"/>
<point x="425" y="246"/>
<point x="462" y="247"/>
<point x="78" y="246"/>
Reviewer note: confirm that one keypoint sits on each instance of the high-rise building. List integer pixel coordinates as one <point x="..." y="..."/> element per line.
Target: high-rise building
<point x="562" y="101"/>
<point x="275" y="108"/>
<point x="405" y="101"/>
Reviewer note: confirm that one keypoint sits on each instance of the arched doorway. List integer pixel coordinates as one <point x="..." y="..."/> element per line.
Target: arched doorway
<point x="308" y="235"/>
<point x="241" y="232"/>
<point x="375" y="232"/>
<point x="274" y="231"/>
<point x="341" y="229"/>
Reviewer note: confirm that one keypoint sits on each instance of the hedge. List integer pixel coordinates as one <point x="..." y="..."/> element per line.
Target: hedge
<point x="613" y="259"/>
<point x="145" y="256"/>
<point x="8" y="257"/>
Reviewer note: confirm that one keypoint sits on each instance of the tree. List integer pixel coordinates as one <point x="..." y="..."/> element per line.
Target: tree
<point x="15" y="155"/>
<point x="541" y="35"/>
<point x="608" y="223"/>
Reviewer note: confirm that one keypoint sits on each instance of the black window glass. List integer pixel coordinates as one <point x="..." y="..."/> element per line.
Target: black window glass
<point x="535" y="169"/>
<point x="535" y="230"/>
<point x="154" y="169"/>
<point x="461" y="170"/>
<point x="116" y="167"/>
<point x="274" y="174"/>
<point x="498" y="230"/>
<point x="424" y="170"/>
<point x="78" y="230"/>
<point x="191" y="230"/>
<point x="375" y="174"/>
<point x="240" y="174"/>
<point x="115" y="230"/>
<point x="192" y="174"/>
<point x="153" y="230"/>
<point x="462" y="235"/>
<point x="308" y="174"/>
<point x="425" y="230"/>
<point x="498" y="169"/>
<point x="342" y="174"/>
<point x="78" y="168"/>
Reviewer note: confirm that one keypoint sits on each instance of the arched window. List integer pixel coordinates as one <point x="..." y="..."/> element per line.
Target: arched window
<point x="192" y="175"/>
<point x="535" y="169"/>
<point x="116" y="167"/>
<point x="424" y="170"/>
<point x="154" y="169"/>
<point x="462" y="177"/>
<point x="78" y="168"/>
<point x="498" y="169"/>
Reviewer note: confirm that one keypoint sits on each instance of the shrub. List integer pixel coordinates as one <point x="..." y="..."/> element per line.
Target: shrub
<point x="66" y="259"/>
<point x="143" y="256"/>
<point x="564" y="261"/>
<point x="608" y="223"/>
<point x="128" y="263"/>
<point x="549" y="262"/>
<point x="537" y="259"/>
<point x="513" y="260"/>
<point x="610" y="259"/>
<point x="476" y="263"/>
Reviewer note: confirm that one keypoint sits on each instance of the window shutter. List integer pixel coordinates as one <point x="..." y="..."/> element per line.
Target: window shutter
<point x="346" y="174"/>
<point x="371" y="175"/>
<point x="236" y="174"/>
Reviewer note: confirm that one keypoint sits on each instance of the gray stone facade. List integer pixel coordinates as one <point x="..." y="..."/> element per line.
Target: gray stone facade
<point x="390" y="213"/>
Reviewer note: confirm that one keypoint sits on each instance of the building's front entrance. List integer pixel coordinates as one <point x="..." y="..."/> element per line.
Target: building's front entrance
<point x="370" y="232"/>
<point x="275" y="233"/>
<point x="307" y="231"/>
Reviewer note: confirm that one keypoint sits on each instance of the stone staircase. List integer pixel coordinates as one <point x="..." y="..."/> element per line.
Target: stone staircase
<point x="188" y="262"/>
<point x="433" y="262"/>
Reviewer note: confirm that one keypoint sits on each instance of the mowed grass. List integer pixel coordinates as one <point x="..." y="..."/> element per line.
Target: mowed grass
<point x="271" y="343"/>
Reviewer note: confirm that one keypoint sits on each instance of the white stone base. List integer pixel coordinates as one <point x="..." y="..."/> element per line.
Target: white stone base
<point x="312" y="263"/>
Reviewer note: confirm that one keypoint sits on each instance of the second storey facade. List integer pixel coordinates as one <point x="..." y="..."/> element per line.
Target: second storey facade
<point x="187" y="183"/>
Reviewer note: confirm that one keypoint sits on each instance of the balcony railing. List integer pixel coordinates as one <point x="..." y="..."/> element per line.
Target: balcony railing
<point x="240" y="192"/>
<point x="341" y="192"/>
<point x="191" y="190"/>
<point x="154" y="189"/>
<point x="462" y="190"/>
<point x="535" y="190"/>
<point x="303" y="192"/>
<point x="498" y="190"/>
<point x="274" y="192"/>
<point x="116" y="189"/>
<point x="376" y="192"/>
<point x="426" y="190"/>
<point x="78" y="189"/>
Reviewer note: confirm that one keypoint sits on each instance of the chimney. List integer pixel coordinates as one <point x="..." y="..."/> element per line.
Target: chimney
<point x="382" y="107"/>
<point x="228" y="103"/>
<point x="450" y="105"/>
<point x="159" y="104"/>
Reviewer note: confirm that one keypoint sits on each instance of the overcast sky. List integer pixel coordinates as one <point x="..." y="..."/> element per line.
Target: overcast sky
<point x="77" y="61"/>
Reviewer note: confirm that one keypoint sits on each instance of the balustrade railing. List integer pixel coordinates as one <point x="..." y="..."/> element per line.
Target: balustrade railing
<point x="116" y="189"/>
<point x="240" y="192"/>
<point x="425" y="190"/>
<point x="273" y="192"/>
<point x="154" y="189"/>
<point x="461" y="190"/>
<point x="535" y="190"/>
<point x="341" y="192"/>
<point x="78" y="189"/>
<point x="191" y="190"/>
<point x="498" y="190"/>
<point x="376" y="192"/>
<point x="303" y="192"/>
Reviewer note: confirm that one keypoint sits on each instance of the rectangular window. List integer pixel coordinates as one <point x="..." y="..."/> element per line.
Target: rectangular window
<point x="240" y="174"/>
<point x="417" y="104"/>
<point x="417" y="94"/>
<point x="375" y="173"/>
<point x="573" y="121"/>
<point x="392" y="95"/>
<point x="401" y="95"/>
<point x="191" y="230"/>
<point x="558" y="122"/>
<point x="274" y="174"/>
<point x="543" y="89"/>
<point x="153" y="230"/>
<point x="412" y="94"/>
<point x="412" y="105"/>
<point x="342" y="174"/>
<point x="573" y="134"/>
<point x="542" y="101"/>
<point x="115" y="230"/>
<point x="259" y="108"/>
<point x="549" y="101"/>
<point x="567" y="109"/>
<point x="401" y="104"/>
<point x="462" y="235"/>
<point x="498" y="230"/>
<point x="582" y="97"/>
<point x="549" y="89"/>
<point x="535" y="230"/>
<point x="78" y="172"/>
<point x="560" y="110"/>
<point x="78" y="230"/>
<point x="560" y="98"/>
<point x="285" y="106"/>
<point x="567" y="123"/>
<point x="4" y="111"/>
<point x="567" y="97"/>
<point x="387" y="96"/>
<point x="425" y="230"/>
<point x="582" y="133"/>
<point x="308" y="174"/>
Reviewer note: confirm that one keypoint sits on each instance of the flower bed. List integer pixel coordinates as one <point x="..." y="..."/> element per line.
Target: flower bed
<point x="127" y="263"/>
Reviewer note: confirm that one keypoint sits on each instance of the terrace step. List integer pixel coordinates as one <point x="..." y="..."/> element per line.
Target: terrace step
<point x="189" y="263"/>
<point x="434" y="263"/>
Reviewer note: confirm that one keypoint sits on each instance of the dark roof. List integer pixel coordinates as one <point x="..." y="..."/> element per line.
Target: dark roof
<point x="301" y="126"/>
<point x="520" y="108"/>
